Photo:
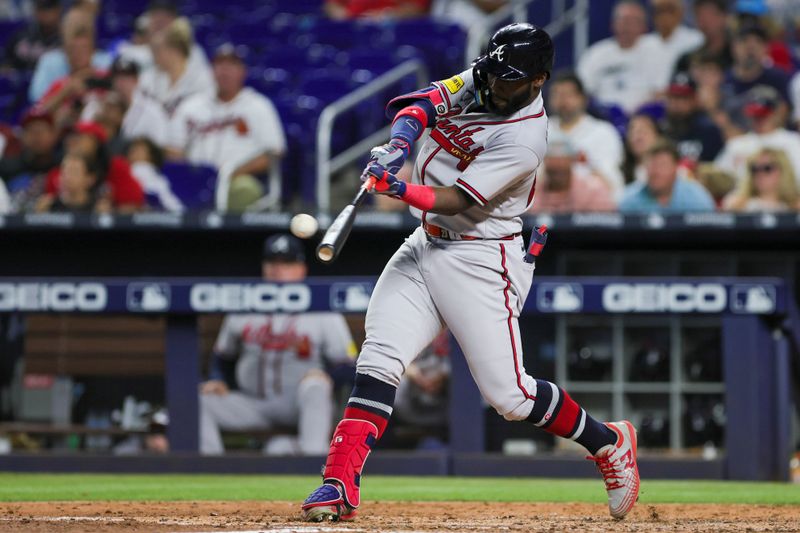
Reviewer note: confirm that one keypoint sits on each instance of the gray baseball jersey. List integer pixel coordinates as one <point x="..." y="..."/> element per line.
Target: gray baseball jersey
<point x="475" y="287"/>
<point x="276" y="351"/>
<point x="492" y="159"/>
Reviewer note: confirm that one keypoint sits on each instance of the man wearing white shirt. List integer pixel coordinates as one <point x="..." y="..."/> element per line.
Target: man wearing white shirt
<point x="794" y="94"/>
<point x="620" y="70"/>
<point x="672" y="38"/>
<point x="599" y="146"/>
<point x="767" y="131"/>
<point x="237" y="130"/>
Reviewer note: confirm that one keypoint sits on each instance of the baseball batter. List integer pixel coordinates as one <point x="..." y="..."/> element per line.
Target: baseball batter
<point x="279" y="366"/>
<point x="466" y="266"/>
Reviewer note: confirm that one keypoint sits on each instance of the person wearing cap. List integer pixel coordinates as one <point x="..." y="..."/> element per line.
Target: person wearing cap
<point x="598" y="143"/>
<point x="671" y="37"/>
<point x="144" y="117"/>
<point x="688" y="126"/>
<point x="236" y="130"/>
<point x="77" y="30"/>
<point x="619" y="71"/>
<point x="25" y="48"/>
<point x="711" y="18"/>
<point x="40" y="151"/>
<point x="665" y="189"/>
<point x="560" y="189"/>
<point x="175" y="77"/>
<point x="750" y="64"/>
<point x="89" y="139"/>
<point x="763" y="110"/>
<point x="277" y="363"/>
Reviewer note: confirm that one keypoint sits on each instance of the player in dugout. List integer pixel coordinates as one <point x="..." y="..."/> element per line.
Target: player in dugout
<point x="466" y="266"/>
<point x="279" y="365"/>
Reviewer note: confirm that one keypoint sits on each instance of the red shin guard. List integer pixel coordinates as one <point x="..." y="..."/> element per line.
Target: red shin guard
<point x="351" y="444"/>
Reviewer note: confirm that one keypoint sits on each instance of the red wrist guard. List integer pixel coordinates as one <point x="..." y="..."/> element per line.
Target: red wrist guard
<point x="419" y="196"/>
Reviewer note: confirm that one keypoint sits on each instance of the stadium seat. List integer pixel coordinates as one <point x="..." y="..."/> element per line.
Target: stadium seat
<point x="194" y="185"/>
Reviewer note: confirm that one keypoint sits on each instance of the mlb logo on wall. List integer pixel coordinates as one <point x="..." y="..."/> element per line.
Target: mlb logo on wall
<point x="753" y="299"/>
<point x="559" y="298"/>
<point x="148" y="297"/>
<point x="350" y="297"/>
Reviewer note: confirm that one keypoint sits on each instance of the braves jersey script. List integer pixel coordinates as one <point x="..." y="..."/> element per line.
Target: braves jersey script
<point x="492" y="159"/>
<point x="276" y="351"/>
<point x="214" y="132"/>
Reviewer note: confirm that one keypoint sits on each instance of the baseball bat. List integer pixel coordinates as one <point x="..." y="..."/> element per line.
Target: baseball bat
<point x="333" y="240"/>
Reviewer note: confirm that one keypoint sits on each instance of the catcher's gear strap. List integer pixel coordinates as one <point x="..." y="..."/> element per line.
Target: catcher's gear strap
<point x="351" y="444"/>
<point x="429" y="99"/>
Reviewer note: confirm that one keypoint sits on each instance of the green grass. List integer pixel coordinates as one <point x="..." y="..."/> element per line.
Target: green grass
<point x="51" y="487"/>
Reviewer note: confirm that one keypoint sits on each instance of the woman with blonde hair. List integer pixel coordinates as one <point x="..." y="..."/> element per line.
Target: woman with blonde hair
<point x="769" y="185"/>
<point x="175" y="78"/>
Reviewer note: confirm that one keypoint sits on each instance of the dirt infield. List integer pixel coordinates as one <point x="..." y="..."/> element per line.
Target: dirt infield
<point x="134" y="517"/>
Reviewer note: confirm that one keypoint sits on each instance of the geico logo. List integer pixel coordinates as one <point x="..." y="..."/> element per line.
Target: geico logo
<point x="262" y="297"/>
<point x="671" y="297"/>
<point x="52" y="297"/>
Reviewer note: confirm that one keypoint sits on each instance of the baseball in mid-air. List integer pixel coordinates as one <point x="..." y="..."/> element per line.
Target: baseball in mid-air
<point x="303" y="225"/>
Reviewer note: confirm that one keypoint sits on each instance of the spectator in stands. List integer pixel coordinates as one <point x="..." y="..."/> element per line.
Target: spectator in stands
<point x="750" y="64"/>
<point x="642" y="133"/>
<point x="66" y="96"/>
<point x="236" y="130"/>
<point x="159" y="16"/>
<point x="598" y="143"/>
<point x="561" y="189"/>
<point x="763" y="109"/>
<point x="279" y="365"/>
<point x="144" y="117"/>
<point x="29" y="44"/>
<point x="770" y="185"/>
<point x="89" y="139"/>
<point x="175" y="78"/>
<point x="146" y="158"/>
<point x="80" y="187"/>
<point x="794" y="93"/>
<point x="466" y="13"/>
<point x="55" y="64"/>
<point x="375" y="9"/>
<point x="620" y="70"/>
<point x="717" y="182"/>
<point x="665" y="189"/>
<point x="711" y="18"/>
<point x="40" y="152"/>
<point x="671" y="37"/>
<point x="688" y="126"/>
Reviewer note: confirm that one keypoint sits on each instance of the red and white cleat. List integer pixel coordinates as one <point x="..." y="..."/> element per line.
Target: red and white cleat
<point x="617" y="463"/>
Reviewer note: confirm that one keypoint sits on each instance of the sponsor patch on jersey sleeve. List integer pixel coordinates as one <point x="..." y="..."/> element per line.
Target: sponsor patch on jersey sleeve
<point x="454" y="84"/>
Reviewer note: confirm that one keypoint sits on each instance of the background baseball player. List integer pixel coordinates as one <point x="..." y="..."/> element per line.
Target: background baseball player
<point x="279" y="365"/>
<point x="465" y="266"/>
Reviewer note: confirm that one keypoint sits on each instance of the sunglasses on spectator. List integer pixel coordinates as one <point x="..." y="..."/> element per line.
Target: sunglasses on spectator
<point x="765" y="168"/>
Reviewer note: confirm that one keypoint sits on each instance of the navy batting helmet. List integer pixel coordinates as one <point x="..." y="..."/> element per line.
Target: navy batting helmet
<point x="283" y="247"/>
<point x="516" y="52"/>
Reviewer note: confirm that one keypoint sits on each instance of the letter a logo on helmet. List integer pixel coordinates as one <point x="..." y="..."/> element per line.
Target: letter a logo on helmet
<point x="497" y="53"/>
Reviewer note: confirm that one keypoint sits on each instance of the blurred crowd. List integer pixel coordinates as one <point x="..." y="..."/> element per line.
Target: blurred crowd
<point x="688" y="106"/>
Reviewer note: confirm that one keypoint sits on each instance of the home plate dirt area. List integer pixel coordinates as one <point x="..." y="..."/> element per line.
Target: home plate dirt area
<point x="252" y="516"/>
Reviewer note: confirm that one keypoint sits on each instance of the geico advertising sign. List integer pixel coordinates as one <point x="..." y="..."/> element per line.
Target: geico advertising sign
<point x="261" y="297"/>
<point x="53" y="297"/>
<point x="664" y="297"/>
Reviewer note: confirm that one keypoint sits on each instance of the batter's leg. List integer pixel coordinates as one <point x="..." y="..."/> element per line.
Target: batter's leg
<point x="227" y="411"/>
<point x="401" y="321"/>
<point x="480" y="299"/>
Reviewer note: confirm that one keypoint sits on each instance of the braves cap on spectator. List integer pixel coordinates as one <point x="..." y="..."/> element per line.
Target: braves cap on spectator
<point x="124" y="66"/>
<point x="761" y="101"/>
<point x="231" y="51"/>
<point x="92" y="128"/>
<point x="283" y="247"/>
<point x="682" y="84"/>
<point x="36" y="113"/>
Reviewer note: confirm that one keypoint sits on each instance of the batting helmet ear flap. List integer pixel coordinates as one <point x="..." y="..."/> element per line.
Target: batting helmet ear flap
<point x="481" y="86"/>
